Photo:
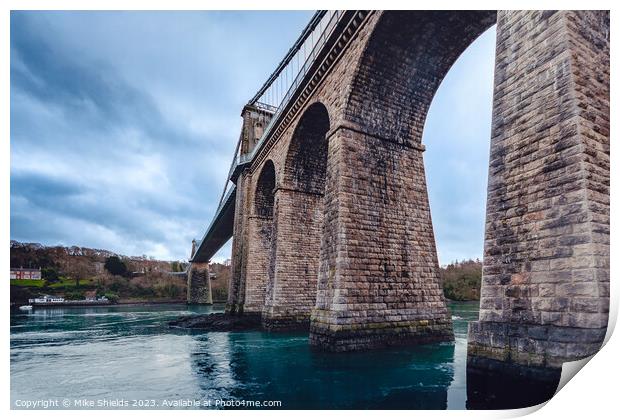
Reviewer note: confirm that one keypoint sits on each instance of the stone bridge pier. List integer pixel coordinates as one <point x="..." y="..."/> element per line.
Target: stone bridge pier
<point x="199" y="284"/>
<point x="545" y="286"/>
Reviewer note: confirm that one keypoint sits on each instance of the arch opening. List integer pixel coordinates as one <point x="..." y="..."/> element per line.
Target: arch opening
<point x="260" y="232"/>
<point x="457" y="135"/>
<point x="291" y="291"/>
<point x="264" y="195"/>
<point x="306" y="161"/>
<point x="404" y="62"/>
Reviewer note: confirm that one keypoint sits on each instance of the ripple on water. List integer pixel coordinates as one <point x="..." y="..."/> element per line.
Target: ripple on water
<point x="129" y="352"/>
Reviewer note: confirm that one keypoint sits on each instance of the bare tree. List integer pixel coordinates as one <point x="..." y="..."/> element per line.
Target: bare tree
<point x="78" y="270"/>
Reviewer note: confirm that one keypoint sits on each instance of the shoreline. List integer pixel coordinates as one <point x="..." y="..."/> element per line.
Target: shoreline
<point x="462" y="301"/>
<point x="150" y="302"/>
<point x="94" y="304"/>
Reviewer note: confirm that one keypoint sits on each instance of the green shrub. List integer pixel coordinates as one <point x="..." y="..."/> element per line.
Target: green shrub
<point x="112" y="297"/>
<point x="116" y="266"/>
<point x="74" y="296"/>
<point x="462" y="280"/>
<point x="50" y="275"/>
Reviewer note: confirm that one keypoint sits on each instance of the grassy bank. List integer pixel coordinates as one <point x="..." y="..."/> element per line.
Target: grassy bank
<point x="61" y="284"/>
<point x="153" y="288"/>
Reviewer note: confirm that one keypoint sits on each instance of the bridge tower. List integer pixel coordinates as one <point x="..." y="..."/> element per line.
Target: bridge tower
<point x="198" y="281"/>
<point x="255" y="119"/>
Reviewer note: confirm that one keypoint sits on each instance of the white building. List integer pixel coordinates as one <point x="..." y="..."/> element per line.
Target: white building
<point x="25" y="273"/>
<point x="47" y="299"/>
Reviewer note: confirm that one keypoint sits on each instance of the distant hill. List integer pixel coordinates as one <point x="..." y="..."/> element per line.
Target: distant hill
<point x="74" y="271"/>
<point x="35" y="255"/>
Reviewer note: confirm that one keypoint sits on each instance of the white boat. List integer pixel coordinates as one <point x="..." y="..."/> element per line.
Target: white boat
<point x="25" y="308"/>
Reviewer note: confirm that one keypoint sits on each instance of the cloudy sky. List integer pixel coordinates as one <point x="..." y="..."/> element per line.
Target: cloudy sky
<point x="123" y="125"/>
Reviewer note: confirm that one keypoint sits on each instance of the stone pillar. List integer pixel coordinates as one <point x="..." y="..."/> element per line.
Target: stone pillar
<point x="545" y="286"/>
<point x="199" y="284"/>
<point x="236" y="289"/>
<point x="259" y="252"/>
<point x="297" y="235"/>
<point x="378" y="282"/>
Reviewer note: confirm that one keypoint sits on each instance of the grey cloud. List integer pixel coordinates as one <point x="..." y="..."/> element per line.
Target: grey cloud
<point x="122" y="128"/>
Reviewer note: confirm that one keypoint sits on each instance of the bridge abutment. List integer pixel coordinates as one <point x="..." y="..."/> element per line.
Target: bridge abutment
<point x="545" y="287"/>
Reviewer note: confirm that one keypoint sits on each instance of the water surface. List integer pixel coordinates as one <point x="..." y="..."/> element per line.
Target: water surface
<point x="128" y="353"/>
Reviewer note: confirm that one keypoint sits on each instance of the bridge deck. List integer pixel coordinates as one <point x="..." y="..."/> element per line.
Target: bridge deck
<point x="219" y="231"/>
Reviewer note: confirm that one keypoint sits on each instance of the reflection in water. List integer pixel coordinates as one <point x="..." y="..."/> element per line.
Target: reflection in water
<point x="129" y="352"/>
<point x="462" y="314"/>
<point x="494" y="385"/>
<point x="212" y="365"/>
<point x="282" y="366"/>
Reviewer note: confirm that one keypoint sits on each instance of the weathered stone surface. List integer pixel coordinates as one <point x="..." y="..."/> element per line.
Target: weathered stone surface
<point x="260" y="241"/>
<point x="254" y="123"/>
<point x="298" y="219"/>
<point x="547" y="222"/>
<point x="236" y="288"/>
<point x="378" y="275"/>
<point x="199" y="284"/>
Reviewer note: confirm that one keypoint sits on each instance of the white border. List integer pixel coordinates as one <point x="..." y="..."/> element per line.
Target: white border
<point x="591" y="394"/>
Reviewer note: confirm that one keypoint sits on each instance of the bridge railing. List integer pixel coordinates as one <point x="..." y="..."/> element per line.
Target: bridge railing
<point x="290" y="73"/>
<point x="281" y="85"/>
<point x="273" y="91"/>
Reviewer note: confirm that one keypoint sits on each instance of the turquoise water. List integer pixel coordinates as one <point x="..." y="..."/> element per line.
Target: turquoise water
<point x="126" y="355"/>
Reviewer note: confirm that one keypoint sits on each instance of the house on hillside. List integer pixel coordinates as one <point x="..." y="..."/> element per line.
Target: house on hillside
<point x="26" y="273"/>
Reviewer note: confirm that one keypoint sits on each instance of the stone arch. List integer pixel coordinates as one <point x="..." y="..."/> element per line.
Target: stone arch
<point x="263" y="193"/>
<point x="306" y="159"/>
<point x="378" y="258"/>
<point x="291" y="292"/>
<point x="260" y="231"/>
<point x="404" y="61"/>
<point x="379" y="264"/>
